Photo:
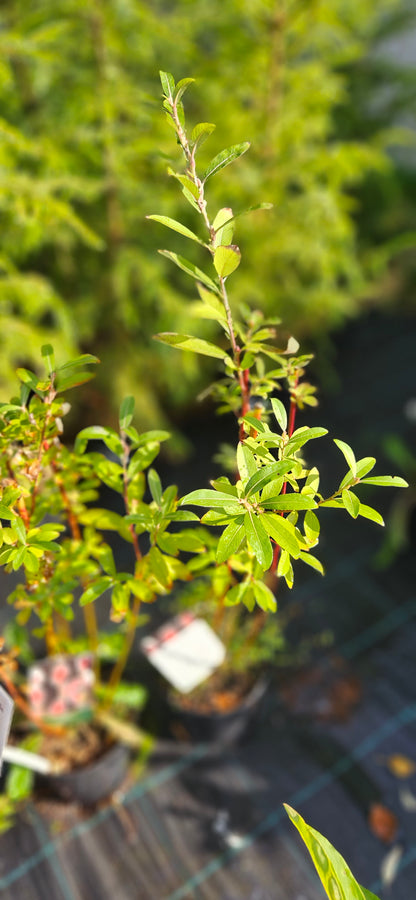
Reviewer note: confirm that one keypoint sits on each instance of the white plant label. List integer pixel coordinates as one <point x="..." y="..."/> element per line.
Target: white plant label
<point x="185" y="651"/>
<point x="6" y="713"/>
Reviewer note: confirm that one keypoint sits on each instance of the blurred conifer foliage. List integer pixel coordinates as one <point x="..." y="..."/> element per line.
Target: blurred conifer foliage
<point x="78" y="172"/>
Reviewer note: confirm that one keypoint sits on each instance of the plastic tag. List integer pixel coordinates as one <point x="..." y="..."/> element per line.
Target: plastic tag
<point x="6" y="713"/>
<point x="185" y="651"/>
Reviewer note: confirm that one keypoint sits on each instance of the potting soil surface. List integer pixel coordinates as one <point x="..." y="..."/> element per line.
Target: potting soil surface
<point x="337" y="741"/>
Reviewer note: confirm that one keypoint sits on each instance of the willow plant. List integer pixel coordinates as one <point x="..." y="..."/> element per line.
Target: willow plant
<point x="270" y="515"/>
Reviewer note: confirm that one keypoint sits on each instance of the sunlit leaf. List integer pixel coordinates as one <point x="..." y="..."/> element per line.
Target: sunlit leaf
<point x="225" y="158"/>
<point x="258" y="539"/>
<point x="176" y="226"/>
<point x="226" y="260"/>
<point x="194" y="344"/>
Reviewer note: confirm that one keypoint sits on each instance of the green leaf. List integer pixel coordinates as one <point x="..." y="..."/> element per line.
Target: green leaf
<point x="225" y="158"/>
<point x="301" y="436"/>
<point x="194" y="344"/>
<point x="385" y="481"/>
<point x="98" y="433"/>
<point x="351" y="503"/>
<point x="201" y="132"/>
<point x="312" y="527"/>
<point x="213" y="303"/>
<point x="223" y="227"/>
<point x="245" y="462"/>
<point x="187" y="186"/>
<point x="288" y="502"/>
<point x="226" y="260"/>
<point x="126" y="412"/>
<point x="20" y="529"/>
<point x="369" y="513"/>
<point x="49" y="357"/>
<point x="266" y="474"/>
<point x="168" y="84"/>
<point x="95" y="590"/>
<point x="264" y="597"/>
<point x="312" y="561"/>
<point x="155" y="486"/>
<point x="5" y="512"/>
<point x="190" y="269"/>
<point x="73" y="373"/>
<point x="258" y="540"/>
<point x="244" y="212"/>
<point x="223" y="484"/>
<point x="349" y="455"/>
<point x="283" y="532"/>
<point x="332" y="869"/>
<point x="280" y="412"/>
<point x="159" y="567"/>
<point x="182" y="86"/>
<point x="19" y="783"/>
<point x="176" y="226"/>
<point x="215" y="499"/>
<point x="229" y="541"/>
<point x="238" y="593"/>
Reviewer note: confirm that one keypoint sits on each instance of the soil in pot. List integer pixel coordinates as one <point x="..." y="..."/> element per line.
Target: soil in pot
<point x="223" y="710"/>
<point x="91" y="765"/>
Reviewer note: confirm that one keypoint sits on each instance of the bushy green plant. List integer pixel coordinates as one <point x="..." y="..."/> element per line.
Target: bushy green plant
<point x="53" y="523"/>
<point x="83" y="148"/>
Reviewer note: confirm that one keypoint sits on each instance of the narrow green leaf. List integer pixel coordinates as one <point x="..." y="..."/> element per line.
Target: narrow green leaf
<point x="280" y="413"/>
<point x="332" y="869"/>
<point x="244" y="212"/>
<point x="265" y="474"/>
<point x="126" y="412"/>
<point x="264" y="597"/>
<point x="224" y="484"/>
<point x="223" y="227"/>
<point x="188" y="342"/>
<point x="301" y="436"/>
<point x="212" y="301"/>
<point x="95" y="590"/>
<point x="159" y="567"/>
<point x="155" y="486"/>
<point x="283" y="532"/>
<point x="369" y="513"/>
<point x="201" y="132"/>
<point x="225" y="158"/>
<point x="349" y="455"/>
<point x="258" y="540"/>
<point x="204" y="497"/>
<point x="168" y="84"/>
<point x="226" y="260"/>
<point x="190" y="269"/>
<point x="229" y="541"/>
<point x="288" y="502"/>
<point x="49" y="357"/>
<point x="312" y="527"/>
<point x="312" y="561"/>
<point x="182" y="86"/>
<point x="351" y="503"/>
<point x="245" y="462"/>
<point x="385" y="481"/>
<point x="176" y="226"/>
<point x="5" y="512"/>
<point x="98" y="433"/>
<point x="19" y="528"/>
<point x="187" y="185"/>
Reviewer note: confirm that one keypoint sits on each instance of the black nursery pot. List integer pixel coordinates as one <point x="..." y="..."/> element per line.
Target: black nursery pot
<point x="90" y="784"/>
<point x="221" y="728"/>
